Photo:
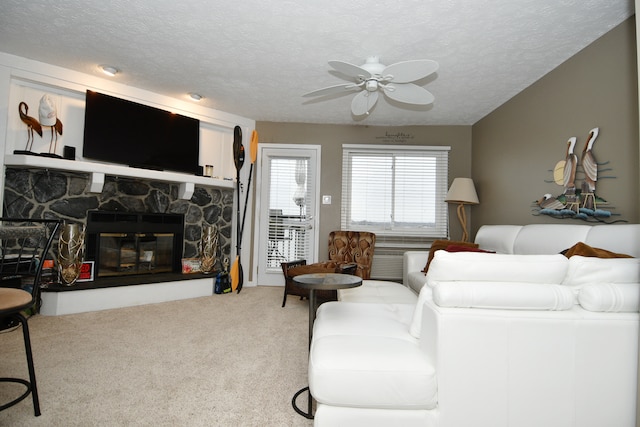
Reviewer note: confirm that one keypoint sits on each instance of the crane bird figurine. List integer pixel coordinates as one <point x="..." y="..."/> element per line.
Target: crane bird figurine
<point x="48" y="118"/>
<point x="590" y="167"/>
<point x="569" y="181"/>
<point x="32" y="125"/>
<point x="570" y="165"/>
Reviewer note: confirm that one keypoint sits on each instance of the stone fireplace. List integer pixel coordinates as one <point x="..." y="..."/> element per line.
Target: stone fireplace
<point x="128" y="202"/>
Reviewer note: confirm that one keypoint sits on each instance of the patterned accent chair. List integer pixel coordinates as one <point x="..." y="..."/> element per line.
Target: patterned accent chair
<point x="350" y="252"/>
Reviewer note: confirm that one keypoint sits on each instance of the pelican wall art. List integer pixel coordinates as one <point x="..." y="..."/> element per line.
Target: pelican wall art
<point x="579" y="203"/>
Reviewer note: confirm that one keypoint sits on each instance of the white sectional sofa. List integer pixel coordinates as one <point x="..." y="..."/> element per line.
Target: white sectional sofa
<point x="524" y="337"/>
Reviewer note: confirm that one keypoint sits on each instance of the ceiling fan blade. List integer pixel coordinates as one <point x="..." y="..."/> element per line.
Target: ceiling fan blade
<point x="410" y="71"/>
<point x="408" y="93"/>
<point x="363" y="102"/>
<point x="350" y="69"/>
<point x="332" y="89"/>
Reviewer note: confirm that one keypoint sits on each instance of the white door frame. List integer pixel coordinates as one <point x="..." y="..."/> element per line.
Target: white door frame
<point x="316" y="210"/>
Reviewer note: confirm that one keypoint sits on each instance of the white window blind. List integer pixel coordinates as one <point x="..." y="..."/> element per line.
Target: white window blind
<point x="395" y="190"/>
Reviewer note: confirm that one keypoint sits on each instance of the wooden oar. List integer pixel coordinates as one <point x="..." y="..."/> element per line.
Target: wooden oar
<point x="253" y="150"/>
<point x="238" y="158"/>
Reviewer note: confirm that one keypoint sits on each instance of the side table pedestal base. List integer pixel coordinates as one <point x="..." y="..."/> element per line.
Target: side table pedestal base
<point x="308" y="414"/>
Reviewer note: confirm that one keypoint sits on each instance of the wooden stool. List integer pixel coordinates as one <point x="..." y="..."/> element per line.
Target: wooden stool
<point x="12" y="303"/>
<point x="24" y="246"/>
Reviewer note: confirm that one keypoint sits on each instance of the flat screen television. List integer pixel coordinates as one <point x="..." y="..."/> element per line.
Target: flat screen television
<point x="132" y="134"/>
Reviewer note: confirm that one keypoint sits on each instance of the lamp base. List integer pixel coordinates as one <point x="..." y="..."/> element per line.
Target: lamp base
<point x="462" y="217"/>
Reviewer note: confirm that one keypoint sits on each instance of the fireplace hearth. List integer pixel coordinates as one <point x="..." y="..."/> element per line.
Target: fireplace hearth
<point x="127" y="244"/>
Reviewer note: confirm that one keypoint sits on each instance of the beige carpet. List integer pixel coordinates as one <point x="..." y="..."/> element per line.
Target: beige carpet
<point x="224" y="360"/>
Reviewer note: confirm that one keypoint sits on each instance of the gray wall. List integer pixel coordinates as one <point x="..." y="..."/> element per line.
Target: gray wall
<point x="516" y="146"/>
<point x="331" y="138"/>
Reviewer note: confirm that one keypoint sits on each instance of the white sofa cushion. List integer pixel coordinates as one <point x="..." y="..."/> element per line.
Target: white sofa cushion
<point x="485" y="267"/>
<point x="510" y="296"/>
<point x="489" y="268"/>
<point x="416" y="280"/>
<point x="610" y="297"/>
<point x="351" y="318"/>
<point x="415" y="327"/>
<point x="549" y="238"/>
<point x="378" y="291"/>
<point x="620" y="238"/>
<point x="583" y="270"/>
<point x="498" y="238"/>
<point x="371" y="372"/>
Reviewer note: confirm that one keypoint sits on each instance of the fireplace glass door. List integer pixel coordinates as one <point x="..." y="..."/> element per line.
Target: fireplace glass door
<point x="135" y="253"/>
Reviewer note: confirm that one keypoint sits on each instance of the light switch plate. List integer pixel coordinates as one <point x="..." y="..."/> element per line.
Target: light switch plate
<point x="326" y="200"/>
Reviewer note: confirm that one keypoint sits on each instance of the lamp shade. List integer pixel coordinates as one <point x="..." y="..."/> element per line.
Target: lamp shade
<point x="462" y="190"/>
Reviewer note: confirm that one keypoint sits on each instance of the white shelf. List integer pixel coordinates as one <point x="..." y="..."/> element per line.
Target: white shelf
<point x="99" y="170"/>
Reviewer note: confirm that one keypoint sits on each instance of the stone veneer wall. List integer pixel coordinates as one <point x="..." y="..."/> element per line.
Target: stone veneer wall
<point x="65" y="195"/>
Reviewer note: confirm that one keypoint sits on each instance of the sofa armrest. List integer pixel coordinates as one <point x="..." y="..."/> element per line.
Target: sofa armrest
<point x="413" y="261"/>
<point x="496" y="364"/>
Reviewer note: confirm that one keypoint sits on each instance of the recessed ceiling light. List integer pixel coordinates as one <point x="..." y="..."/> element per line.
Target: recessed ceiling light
<point x="195" y="96"/>
<point x="109" y="70"/>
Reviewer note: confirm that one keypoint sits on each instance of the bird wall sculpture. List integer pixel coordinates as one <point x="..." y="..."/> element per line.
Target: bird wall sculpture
<point x="570" y="167"/>
<point x="569" y="176"/>
<point x="549" y="202"/>
<point x="590" y="167"/>
<point x="574" y="202"/>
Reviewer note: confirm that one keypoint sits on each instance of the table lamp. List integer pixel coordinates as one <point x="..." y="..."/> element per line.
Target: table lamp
<point x="463" y="192"/>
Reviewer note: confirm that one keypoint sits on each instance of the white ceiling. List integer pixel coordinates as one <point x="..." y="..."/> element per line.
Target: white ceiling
<point x="256" y="58"/>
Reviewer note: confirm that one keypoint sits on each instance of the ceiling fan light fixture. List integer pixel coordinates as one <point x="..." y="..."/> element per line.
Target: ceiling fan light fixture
<point x="373" y="65"/>
<point x="371" y="85"/>
<point x="109" y="70"/>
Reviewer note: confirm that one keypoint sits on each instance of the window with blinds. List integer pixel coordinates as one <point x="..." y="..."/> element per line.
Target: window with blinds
<point x="395" y="190"/>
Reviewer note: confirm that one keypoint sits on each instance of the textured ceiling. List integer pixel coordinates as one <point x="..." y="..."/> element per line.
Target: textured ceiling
<point x="256" y="58"/>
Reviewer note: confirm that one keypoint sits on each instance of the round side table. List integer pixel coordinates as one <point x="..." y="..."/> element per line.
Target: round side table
<point x="314" y="282"/>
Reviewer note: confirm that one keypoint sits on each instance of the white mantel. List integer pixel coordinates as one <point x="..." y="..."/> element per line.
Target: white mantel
<point x="98" y="171"/>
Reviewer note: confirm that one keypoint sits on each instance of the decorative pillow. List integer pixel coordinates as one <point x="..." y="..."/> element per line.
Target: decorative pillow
<point x="443" y="244"/>
<point x="506" y="296"/>
<point x="583" y="249"/>
<point x="610" y="297"/>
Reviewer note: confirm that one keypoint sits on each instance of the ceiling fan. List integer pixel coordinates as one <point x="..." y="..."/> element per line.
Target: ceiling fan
<point x="395" y="82"/>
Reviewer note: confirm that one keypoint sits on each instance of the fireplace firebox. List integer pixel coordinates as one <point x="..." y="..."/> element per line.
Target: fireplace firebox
<point x="124" y="243"/>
